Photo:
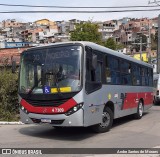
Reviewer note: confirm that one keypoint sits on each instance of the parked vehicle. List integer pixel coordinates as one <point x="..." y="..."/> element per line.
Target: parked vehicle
<point x="156" y="84"/>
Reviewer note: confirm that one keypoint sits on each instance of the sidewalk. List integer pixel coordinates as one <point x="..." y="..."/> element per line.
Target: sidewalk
<point x="10" y="123"/>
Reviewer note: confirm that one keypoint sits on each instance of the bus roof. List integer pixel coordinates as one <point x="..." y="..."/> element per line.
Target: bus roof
<point x="95" y="47"/>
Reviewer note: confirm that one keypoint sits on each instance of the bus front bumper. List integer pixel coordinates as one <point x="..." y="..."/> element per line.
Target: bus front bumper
<point x="75" y="119"/>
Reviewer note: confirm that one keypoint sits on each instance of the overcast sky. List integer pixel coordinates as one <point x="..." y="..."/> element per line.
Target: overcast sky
<point x="66" y="16"/>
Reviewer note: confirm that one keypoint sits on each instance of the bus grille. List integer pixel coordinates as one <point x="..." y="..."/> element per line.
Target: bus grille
<point x="44" y="103"/>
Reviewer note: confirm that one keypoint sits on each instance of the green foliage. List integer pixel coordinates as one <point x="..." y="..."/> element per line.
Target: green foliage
<point x="89" y="32"/>
<point x="8" y="95"/>
<point x="86" y="32"/>
<point x="119" y="46"/>
<point x="110" y="43"/>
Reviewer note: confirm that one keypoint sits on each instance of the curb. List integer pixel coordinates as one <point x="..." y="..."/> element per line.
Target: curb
<point x="10" y="123"/>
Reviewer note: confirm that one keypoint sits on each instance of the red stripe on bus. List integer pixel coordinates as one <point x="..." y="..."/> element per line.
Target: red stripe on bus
<point x="132" y="99"/>
<point x="49" y="110"/>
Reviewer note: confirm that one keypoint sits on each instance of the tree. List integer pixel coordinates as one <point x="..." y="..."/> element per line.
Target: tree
<point x="8" y="95"/>
<point x="110" y="43"/>
<point x="119" y="46"/>
<point x="86" y="32"/>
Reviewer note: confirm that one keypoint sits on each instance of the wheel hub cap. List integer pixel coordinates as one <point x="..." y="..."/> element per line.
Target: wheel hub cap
<point x="105" y="120"/>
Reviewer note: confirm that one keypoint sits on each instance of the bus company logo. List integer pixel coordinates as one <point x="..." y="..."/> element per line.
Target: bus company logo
<point x="45" y="110"/>
<point x="6" y="151"/>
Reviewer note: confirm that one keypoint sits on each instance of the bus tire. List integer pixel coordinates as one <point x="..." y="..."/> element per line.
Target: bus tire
<point x="107" y="118"/>
<point x="140" y="110"/>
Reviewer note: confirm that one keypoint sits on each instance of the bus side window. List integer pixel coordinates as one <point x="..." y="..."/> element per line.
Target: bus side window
<point x="135" y="75"/>
<point x="94" y="75"/>
<point x="146" y="76"/>
<point x="125" y="73"/>
<point x="151" y="77"/>
<point x="98" y="72"/>
<point x="112" y="70"/>
<point x="143" y="76"/>
<point x="90" y="73"/>
<point x="108" y="71"/>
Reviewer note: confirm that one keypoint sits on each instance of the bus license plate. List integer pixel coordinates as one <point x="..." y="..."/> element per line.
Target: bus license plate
<point x="46" y="120"/>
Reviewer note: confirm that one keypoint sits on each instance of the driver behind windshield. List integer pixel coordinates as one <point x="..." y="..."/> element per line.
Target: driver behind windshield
<point x="60" y="75"/>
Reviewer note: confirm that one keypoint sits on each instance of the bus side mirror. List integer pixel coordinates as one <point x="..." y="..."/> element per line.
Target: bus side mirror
<point x="94" y="61"/>
<point x="13" y="66"/>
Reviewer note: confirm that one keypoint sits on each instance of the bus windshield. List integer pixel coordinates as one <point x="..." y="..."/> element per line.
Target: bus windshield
<point x="51" y="70"/>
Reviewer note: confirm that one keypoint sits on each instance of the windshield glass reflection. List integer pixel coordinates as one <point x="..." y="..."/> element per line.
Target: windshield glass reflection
<point x="51" y="70"/>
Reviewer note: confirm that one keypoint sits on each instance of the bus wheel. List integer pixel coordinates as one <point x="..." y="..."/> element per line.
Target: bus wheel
<point x="107" y="120"/>
<point x="140" y="109"/>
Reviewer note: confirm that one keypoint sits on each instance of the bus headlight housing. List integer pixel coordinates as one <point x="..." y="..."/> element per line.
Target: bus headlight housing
<point x="23" y="109"/>
<point x="74" y="109"/>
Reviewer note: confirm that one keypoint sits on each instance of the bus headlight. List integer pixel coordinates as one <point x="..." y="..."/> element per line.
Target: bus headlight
<point x="74" y="109"/>
<point x="23" y="109"/>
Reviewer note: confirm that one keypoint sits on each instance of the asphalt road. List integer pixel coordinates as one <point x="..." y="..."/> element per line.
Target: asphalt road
<point x="125" y="133"/>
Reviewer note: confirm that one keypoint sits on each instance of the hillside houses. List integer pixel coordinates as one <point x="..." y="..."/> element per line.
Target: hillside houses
<point x="123" y="31"/>
<point x="15" y="34"/>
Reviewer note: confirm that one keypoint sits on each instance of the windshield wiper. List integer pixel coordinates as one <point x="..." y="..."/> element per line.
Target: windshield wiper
<point x="57" y="85"/>
<point x="31" y="90"/>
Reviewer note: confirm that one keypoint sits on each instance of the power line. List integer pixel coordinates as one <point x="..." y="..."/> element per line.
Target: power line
<point x="108" y="11"/>
<point x="40" y="6"/>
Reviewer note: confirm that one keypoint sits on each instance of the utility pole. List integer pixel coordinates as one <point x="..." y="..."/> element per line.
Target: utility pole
<point x="140" y="48"/>
<point x="140" y="44"/>
<point x="149" y="43"/>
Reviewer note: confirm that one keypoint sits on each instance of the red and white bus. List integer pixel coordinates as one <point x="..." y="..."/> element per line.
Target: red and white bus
<point x="81" y="84"/>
